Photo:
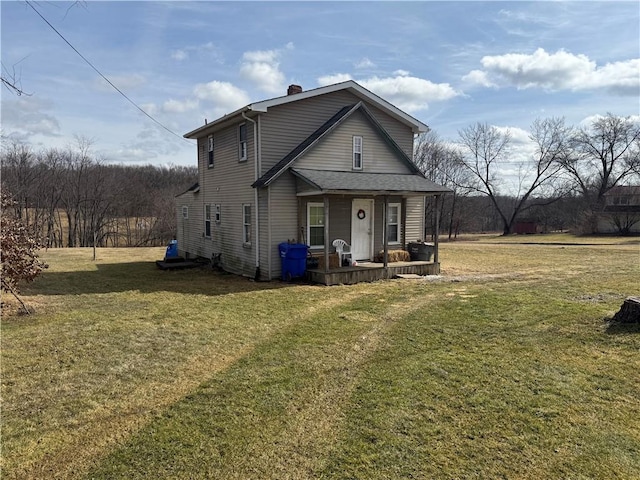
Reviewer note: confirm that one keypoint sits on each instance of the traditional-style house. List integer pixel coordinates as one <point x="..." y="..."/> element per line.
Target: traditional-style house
<point x="621" y="212"/>
<point x="310" y="167"/>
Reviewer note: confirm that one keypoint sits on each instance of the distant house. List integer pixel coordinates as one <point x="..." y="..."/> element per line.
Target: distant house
<point x="525" y="226"/>
<point x="311" y="167"/>
<point x="621" y="212"/>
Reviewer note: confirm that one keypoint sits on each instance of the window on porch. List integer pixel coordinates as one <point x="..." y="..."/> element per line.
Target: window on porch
<point x="393" y="223"/>
<point x="315" y="224"/>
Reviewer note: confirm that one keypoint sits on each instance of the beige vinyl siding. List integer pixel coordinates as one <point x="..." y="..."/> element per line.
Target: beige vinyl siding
<point x="227" y="184"/>
<point x="283" y="224"/>
<point x="188" y="232"/>
<point x="335" y="151"/>
<point x="400" y="133"/>
<point x="414" y="219"/>
<point x="263" y="211"/>
<point x="285" y="126"/>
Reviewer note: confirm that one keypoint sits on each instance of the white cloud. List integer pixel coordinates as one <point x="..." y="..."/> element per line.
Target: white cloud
<point x="262" y="68"/>
<point x="404" y="91"/>
<point x="225" y="96"/>
<point x="176" y="106"/>
<point x="179" y="55"/>
<point x="364" y="63"/>
<point x="26" y="116"/>
<point x="334" y="78"/>
<point x="409" y="93"/>
<point x="561" y="70"/>
<point x="478" y="77"/>
<point x="205" y="49"/>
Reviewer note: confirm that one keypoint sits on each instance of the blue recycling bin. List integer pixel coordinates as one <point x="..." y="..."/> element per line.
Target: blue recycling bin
<point x="172" y="249"/>
<point x="294" y="259"/>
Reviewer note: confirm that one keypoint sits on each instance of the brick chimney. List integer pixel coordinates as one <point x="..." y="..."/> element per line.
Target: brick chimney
<point x="293" y="89"/>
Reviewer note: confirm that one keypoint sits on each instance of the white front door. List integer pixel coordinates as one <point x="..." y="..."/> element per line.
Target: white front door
<point x="362" y="229"/>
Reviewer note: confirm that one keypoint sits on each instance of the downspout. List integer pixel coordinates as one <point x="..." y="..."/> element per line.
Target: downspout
<point x="436" y="259"/>
<point x="256" y="163"/>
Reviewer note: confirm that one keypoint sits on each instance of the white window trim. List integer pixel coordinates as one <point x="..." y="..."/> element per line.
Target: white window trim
<point x="185" y="212"/>
<point x="357" y="150"/>
<point x="309" y="205"/>
<point x="399" y="224"/>
<point x="217" y="213"/>
<point x="242" y="152"/>
<point x="207" y="220"/>
<point x="210" y="158"/>
<point x="246" y="241"/>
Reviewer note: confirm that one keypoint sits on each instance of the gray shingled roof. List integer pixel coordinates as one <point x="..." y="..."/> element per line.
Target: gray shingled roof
<point x="333" y="181"/>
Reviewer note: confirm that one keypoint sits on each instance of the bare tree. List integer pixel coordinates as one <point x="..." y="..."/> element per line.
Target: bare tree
<point x="487" y="148"/>
<point x="442" y="163"/>
<point x="604" y="155"/>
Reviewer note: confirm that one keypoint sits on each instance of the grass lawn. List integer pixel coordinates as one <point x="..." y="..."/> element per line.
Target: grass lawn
<point x="504" y="366"/>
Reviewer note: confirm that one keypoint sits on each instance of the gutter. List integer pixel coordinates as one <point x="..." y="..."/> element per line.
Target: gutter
<point x="255" y="191"/>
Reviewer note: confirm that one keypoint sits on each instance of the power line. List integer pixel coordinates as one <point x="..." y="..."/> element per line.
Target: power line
<point x="105" y="78"/>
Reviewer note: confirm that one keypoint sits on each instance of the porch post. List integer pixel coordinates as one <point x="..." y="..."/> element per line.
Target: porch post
<point x="385" y="224"/>
<point x="325" y="200"/>
<point x="436" y="234"/>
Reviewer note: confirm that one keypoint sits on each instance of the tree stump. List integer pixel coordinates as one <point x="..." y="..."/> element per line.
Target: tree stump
<point x="629" y="312"/>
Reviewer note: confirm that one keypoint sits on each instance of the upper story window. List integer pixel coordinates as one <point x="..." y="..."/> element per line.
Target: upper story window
<point x="622" y="200"/>
<point x="393" y="223"/>
<point x="217" y="213"/>
<point x="242" y="145"/>
<point x="357" y="153"/>
<point x="185" y="212"/>
<point x="210" y="160"/>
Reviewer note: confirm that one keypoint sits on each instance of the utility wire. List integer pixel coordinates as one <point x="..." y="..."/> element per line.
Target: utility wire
<point x="105" y="78"/>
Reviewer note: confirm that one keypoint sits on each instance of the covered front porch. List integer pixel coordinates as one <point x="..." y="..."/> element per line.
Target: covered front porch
<point x="371" y="272"/>
<point x="377" y="215"/>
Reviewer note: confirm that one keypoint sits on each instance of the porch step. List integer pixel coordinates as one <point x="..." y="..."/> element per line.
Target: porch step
<point x="409" y="276"/>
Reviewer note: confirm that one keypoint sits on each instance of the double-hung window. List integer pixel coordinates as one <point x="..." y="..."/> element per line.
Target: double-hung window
<point x="393" y="223"/>
<point x="185" y="212"/>
<point x="217" y="213"/>
<point x="246" y="223"/>
<point x="242" y="142"/>
<point x="357" y="153"/>
<point x="210" y="159"/>
<point x="315" y="224"/>
<point x="207" y="220"/>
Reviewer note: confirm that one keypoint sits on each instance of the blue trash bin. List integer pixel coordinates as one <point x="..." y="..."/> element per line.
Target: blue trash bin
<point x="294" y="259"/>
<point x="172" y="249"/>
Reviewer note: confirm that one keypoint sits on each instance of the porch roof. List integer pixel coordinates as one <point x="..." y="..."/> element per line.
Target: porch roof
<point x="327" y="181"/>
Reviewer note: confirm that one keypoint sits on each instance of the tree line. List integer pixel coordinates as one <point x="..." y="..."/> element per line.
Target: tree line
<point x="561" y="182"/>
<point x="70" y="198"/>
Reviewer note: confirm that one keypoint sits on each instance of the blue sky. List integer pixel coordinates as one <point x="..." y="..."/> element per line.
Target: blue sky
<point x="449" y="64"/>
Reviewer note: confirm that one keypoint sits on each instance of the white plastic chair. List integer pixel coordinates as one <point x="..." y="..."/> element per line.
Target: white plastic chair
<point x="343" y="250"/>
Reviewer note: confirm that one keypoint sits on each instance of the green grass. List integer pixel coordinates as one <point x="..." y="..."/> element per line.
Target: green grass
<point x="502" y="367"/>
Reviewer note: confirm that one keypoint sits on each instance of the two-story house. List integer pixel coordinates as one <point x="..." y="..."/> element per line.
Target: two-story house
<point x="311" y="166"/>
<point x="621" y="212"/>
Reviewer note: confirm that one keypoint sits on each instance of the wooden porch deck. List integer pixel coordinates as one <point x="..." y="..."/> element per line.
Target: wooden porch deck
<point x="370" y="272"/>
